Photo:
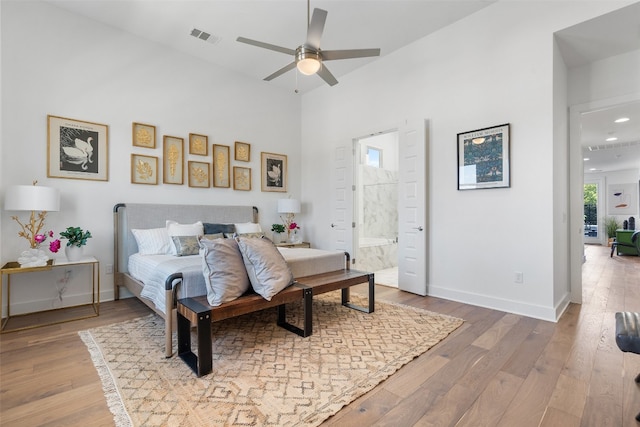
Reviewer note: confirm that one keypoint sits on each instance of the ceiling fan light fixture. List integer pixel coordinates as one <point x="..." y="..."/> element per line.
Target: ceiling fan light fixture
<point x="307" y="61"/>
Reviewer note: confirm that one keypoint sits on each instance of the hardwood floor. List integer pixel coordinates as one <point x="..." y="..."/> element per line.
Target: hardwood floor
<point x="498" y="369"/>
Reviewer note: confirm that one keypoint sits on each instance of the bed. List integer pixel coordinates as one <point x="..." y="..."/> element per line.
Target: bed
<point x="159" y="280"/>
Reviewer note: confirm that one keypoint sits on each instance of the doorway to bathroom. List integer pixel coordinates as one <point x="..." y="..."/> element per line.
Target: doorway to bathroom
<point x="376" y="200"/>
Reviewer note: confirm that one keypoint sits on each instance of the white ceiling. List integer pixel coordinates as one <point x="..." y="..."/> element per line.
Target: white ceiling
<point x="355" y="24"/>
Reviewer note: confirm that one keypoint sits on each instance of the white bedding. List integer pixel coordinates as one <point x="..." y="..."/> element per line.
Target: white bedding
<point x="152" y="270"/>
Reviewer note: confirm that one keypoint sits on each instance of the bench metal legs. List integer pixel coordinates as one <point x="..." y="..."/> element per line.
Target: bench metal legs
<point x="307" y="316"/>
<point x="201" y="364"/>
<point x="346" y="297"/>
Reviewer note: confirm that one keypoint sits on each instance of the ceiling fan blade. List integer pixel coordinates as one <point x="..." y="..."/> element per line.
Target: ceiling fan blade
<point x="266" y="46"/>
<point x="280" y="71"/>
<point x="326" y="75"/>
<point x="329" y="55"/>
<point x="316" y="27"/>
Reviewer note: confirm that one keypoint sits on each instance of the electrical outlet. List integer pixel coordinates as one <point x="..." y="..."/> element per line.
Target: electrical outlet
<point x="519" y="277"/>
<point x="109" y="269"/>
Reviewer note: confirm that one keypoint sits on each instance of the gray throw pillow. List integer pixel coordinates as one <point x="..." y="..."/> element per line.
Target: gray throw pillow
<point x="223" y="269"/>
<point x="267" y="269"/>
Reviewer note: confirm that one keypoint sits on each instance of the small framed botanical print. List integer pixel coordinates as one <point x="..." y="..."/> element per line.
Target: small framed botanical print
<point x="242" y="151"/>
<point x="144" y="169"/>
<point x="173" y="162"/>
<point x="221" y="173"/>
<point x="198" y="174"/>
<point x="241" y="178"/>
<point x="198" y="144"/>
<point x="144" y="135"/>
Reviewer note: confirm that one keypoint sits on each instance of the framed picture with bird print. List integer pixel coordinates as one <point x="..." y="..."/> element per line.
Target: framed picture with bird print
<point x="273" y="172"/>
<point x="77" y="149"/>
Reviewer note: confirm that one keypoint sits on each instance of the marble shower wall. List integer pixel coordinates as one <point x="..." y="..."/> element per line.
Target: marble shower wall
<point x="379" y="219"/>
<point x="379" y="203"/>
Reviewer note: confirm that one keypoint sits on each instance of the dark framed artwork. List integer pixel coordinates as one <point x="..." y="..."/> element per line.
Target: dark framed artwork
<point x="77" y="149"/>
<point x="198" y="144"/>
<point x="144" y="169"/>
<point x="173" y="161"/>
<point x="221" y="172"/>
<point x="241" y="178"/>
<point x="273" y="170"/>
<point x="483" y="158"/>
<point x="143" y="135"/>
<point x="242" y="151"/>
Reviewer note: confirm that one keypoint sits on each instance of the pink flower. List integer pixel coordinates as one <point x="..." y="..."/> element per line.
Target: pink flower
<point x="39" y="238"/>
<point x="293" y="226"/>
<point x="54" y="246"/>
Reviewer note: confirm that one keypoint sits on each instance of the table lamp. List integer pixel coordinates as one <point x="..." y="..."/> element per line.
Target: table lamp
<point x="32" y="198"/>
<point x="289" y="207"/>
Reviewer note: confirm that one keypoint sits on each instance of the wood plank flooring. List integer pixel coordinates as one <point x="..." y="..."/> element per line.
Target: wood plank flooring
<point x="498" y="369"/>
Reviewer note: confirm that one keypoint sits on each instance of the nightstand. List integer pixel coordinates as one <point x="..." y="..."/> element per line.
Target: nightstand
<point x="73" y="312"/>
<point x="294" y="245"/>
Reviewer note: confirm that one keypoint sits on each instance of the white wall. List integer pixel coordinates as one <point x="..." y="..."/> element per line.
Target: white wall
<point x="69" y="66"/>
<point x="493" y="67"/>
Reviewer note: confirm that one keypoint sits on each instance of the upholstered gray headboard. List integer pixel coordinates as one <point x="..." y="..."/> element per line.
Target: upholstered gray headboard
<point x="128" y="216"/>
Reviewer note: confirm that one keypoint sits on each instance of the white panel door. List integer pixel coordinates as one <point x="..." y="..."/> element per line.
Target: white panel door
<point x="342" y="199"/>
<point x="412" y="208"/>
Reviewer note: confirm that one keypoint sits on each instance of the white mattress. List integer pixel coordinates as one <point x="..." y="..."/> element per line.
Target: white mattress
<point x="152" y="270"/>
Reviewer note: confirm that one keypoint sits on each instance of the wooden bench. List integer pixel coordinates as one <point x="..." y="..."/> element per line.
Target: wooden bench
<point x="196" y="311"/>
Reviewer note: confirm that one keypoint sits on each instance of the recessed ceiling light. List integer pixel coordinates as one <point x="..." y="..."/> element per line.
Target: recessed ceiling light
<point x="622" y="120"/>
<point x="611" y="138"/>
<point x="586" y="159"/>
<point x="593" y="169"/>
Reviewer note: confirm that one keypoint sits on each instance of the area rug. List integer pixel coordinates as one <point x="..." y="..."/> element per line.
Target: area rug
<point x="262" y="374"/>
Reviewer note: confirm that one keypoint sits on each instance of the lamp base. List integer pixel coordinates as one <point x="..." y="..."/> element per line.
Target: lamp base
<point x="33" y="258"/>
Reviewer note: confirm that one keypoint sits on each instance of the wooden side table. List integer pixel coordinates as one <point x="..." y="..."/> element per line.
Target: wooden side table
<point x="294" y="245"/>
<point x="13" y="267"/>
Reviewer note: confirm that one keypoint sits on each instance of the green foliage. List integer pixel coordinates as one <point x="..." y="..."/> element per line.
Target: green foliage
<point x="611" y="225"/>
<point x="590" y="194"/>
<point x="277" y="228"/>
<point x="75" y="236"/>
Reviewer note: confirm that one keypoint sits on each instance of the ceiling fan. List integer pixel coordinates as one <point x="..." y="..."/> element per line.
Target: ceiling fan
<point x="308" y="57"/>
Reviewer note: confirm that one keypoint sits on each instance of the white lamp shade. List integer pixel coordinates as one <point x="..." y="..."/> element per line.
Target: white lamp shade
<point x="288" y="206"/>
<point x="32" y="198"/>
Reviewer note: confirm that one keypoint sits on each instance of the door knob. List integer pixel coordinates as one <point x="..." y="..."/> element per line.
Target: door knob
<point x="333" y="225"/>
<point x="418" y="228"/>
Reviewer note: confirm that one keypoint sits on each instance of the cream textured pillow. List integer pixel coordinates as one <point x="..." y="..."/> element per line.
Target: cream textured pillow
<point x="247" y="227"/>
<point x="267" y="269"/>
<point x="152" y="241"/>
<point x="223" y="270"/>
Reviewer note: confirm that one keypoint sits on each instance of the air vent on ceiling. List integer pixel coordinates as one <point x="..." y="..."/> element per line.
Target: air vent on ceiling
<point x="610" y="146"/>
<point x="207" y="37"/>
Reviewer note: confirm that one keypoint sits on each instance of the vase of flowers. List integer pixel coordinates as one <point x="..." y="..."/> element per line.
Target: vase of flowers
<point x="76" y="239"/>
<point x="293" y="233"/>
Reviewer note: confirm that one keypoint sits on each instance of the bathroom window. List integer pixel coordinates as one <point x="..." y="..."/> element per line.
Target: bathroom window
<point x="374" y="157"/>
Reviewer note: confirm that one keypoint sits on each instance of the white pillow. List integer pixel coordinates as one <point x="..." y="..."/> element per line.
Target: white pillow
<point x="176" y="229"/>
<point x="248" y="227"/>
<point x="152" y="241"/>
<point x="223" y="270"/>
<point x="266" y="267"/>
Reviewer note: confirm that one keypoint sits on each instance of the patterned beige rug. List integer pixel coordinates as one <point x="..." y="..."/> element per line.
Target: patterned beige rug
<point x="262" y="375"/>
